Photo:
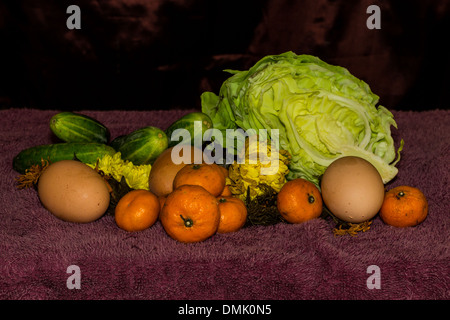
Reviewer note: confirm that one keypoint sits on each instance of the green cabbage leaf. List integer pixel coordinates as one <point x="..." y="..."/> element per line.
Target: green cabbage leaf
<point x="322" y="113"/>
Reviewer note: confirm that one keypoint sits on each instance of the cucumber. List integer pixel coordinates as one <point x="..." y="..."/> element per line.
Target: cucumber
<point x="73" y="127"/>
<point x="85" y="152"/>
<point x="142" y="146"/>
<point x="188" y="122"/>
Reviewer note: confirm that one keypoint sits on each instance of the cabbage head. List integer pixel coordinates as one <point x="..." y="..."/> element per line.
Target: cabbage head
<point x="322" y="112"/>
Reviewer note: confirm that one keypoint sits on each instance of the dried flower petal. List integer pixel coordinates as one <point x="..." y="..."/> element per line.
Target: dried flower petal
<point x="31" y="176"/>
<point x="352" y="229"/>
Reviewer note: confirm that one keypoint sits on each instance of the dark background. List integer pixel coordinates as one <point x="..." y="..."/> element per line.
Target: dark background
<point x="143" y="55"/>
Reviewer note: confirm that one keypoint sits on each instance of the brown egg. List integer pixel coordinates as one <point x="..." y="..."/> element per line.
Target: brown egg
<point x="72" y="191"/>
<point x="352" y="189"/>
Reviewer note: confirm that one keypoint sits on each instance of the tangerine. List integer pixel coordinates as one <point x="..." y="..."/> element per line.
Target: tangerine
<point x="404" y="206"/>
<point x="226" y="192"/>
<point x="190" y="214"/>
<point x="233" y="214"/>
<point x="165" y="168"/>
<point x="137" y="210"/>
<point x="162" y="200"/>
<point x="299" y="200"/>
<point x="208" y="176"/>
<point x="224" y="171"/>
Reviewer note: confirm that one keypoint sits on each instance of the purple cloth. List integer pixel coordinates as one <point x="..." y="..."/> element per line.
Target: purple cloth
<point x="283" y="261"/>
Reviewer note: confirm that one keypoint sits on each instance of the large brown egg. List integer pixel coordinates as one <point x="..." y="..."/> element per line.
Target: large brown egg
<point x="352" y="189"/>
<point x="72" y="191"/>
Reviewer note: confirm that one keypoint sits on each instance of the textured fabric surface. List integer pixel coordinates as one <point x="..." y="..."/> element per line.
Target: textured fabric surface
<point x="283" y="261"/>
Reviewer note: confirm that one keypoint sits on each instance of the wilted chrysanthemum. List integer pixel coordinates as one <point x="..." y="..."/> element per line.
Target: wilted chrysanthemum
<point x="135" y="176"/>
<point x="264" y="171"/>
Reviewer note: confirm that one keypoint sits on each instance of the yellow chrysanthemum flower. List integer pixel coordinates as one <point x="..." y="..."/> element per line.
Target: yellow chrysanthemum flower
<point x="253" y="175"/>
<point x="135" y="176"/>
<point x="111" y="165"/>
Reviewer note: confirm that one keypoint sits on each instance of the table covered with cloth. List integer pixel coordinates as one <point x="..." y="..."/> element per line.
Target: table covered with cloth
<point x="282" y="261"/>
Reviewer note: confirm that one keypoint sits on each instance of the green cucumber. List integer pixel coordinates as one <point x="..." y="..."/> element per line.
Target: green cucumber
<point x="73" y="127"/>
<point x="142" y="146"/>
<point x="85" y="152"/>
<point x="188" y="122"/>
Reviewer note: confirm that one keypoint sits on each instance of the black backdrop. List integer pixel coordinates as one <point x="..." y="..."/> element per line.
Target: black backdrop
<point x="159" y="54"/>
